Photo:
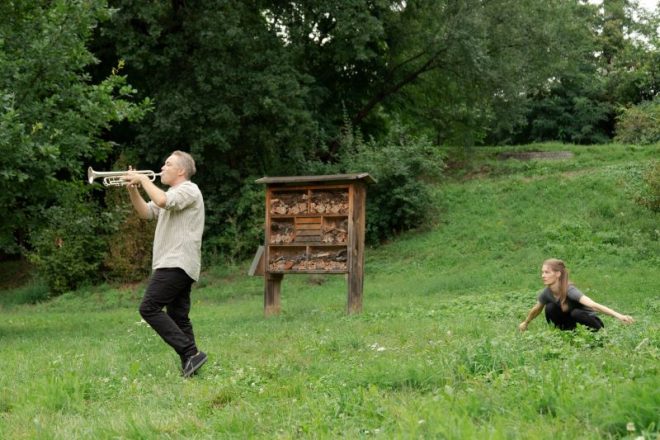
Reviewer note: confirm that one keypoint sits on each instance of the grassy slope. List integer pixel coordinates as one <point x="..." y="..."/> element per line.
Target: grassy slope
<point x="434" y="354"/>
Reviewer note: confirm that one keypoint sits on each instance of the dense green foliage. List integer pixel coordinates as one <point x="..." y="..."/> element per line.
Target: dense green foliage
<point x="52" y="117"/>
<point x="643" y="183"/>
<point x="616" y="65"/>
<point x="639" y="124"/>
<point x="650" y="195"/>
<point x="69" y="247"/>
<point x="407" y="167"/>
<point x="570" y="110"/>
<point x="435" y="353"/>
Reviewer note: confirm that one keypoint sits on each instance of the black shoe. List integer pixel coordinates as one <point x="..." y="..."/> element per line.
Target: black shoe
<point x="183" y="365"/>
<point x="193" y="363"/>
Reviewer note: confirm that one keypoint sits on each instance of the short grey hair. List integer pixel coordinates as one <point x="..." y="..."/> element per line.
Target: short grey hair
<point x="186" y="162"/>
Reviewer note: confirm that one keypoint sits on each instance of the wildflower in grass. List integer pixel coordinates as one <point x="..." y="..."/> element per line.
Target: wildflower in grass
<point x="376" y="347"/>
<point x="641" y="344"/>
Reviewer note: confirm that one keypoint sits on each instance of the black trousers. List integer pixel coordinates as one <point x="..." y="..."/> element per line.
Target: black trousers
<point x="170" y="289"/>
<point x="569" y="320"/>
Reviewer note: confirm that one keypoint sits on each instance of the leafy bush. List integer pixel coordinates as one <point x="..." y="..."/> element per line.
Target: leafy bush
<point x="644" y="185"/>
<point x="68" y="250"/>
<point x="651" y="196"/>
<point x="572" y="110"/>
<point x="128" y="256"/>
<point x="404" y="167"/>
<point x="129" y="250"/>
<point x="649" y="191"/>
<point x="639" y="124"/>
<point x="242" y="229"/>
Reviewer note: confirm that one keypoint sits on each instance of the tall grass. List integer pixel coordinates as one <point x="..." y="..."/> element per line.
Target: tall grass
<point x="435" y="354"/>
<point x="32" y="292"/>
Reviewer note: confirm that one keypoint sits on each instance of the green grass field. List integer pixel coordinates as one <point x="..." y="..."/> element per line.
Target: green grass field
<point x="435" y="353"/>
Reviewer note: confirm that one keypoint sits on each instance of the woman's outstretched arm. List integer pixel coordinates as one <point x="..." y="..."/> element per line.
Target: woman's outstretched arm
<point x="536" y="310"/>
<point x="586" y="301"/>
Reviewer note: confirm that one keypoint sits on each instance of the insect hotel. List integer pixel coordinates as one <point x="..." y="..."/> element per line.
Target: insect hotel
<point x="314" y="225"/>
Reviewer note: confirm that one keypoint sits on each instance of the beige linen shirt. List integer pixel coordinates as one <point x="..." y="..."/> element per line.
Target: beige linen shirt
<point x="178" y="237"/>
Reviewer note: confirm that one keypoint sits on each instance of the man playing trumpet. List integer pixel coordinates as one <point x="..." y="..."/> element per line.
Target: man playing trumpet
<point x="176" y="253"/>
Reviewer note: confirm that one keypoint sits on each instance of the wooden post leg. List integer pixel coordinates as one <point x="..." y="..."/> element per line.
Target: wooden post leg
<point x="355" y="286"/>
<point x="356" y="249"/>
<point x="272" y="285"/>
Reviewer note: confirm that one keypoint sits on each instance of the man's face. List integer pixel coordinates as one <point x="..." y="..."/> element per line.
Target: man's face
<point x="171" y="171"/>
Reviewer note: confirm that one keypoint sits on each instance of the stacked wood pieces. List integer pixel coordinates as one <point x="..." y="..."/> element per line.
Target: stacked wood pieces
<point x="281" y="232"/>
<point x="335" y="231"/>
<point x="308" y="229"/>
<point x="293" y="203"/>
<point x="321" y="260"/>
<point x="329" y="202"/>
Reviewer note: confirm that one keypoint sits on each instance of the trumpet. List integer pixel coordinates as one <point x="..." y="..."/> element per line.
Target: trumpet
<point x="115" y="178"/>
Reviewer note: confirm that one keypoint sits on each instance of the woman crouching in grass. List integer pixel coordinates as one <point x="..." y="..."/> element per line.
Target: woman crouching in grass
<point x="565" y="306"/>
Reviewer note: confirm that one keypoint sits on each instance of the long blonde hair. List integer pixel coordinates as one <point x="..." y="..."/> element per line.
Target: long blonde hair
<point x="559" y="266"/>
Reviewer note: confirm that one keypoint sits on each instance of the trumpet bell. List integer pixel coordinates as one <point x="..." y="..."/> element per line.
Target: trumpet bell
<point x="90" y="175"/>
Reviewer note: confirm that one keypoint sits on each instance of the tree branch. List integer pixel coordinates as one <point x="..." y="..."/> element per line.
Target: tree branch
<point x="386" y="92"/>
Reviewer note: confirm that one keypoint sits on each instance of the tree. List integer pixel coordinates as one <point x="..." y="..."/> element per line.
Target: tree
<point x="630" y="59"/>
<point x="616" y="67"/>
<point x="449" y="67"/>
<point x="52" y="117"/>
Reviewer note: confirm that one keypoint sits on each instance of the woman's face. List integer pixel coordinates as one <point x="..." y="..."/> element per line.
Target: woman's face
<point x="549" y="276"/>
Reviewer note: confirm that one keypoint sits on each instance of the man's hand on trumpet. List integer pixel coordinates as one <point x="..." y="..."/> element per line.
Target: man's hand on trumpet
<point x="134" y="179"/>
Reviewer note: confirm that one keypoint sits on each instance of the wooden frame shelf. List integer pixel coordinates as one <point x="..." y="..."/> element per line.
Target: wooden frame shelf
<point x="314" y="225"/>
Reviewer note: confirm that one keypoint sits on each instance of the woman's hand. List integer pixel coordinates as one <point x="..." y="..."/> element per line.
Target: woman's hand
<point x="536" y="310"/>
<point x="626" y="319"/>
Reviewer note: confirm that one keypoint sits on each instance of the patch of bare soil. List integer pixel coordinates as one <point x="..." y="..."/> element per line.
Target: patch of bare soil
<point x="533" y="155"/>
